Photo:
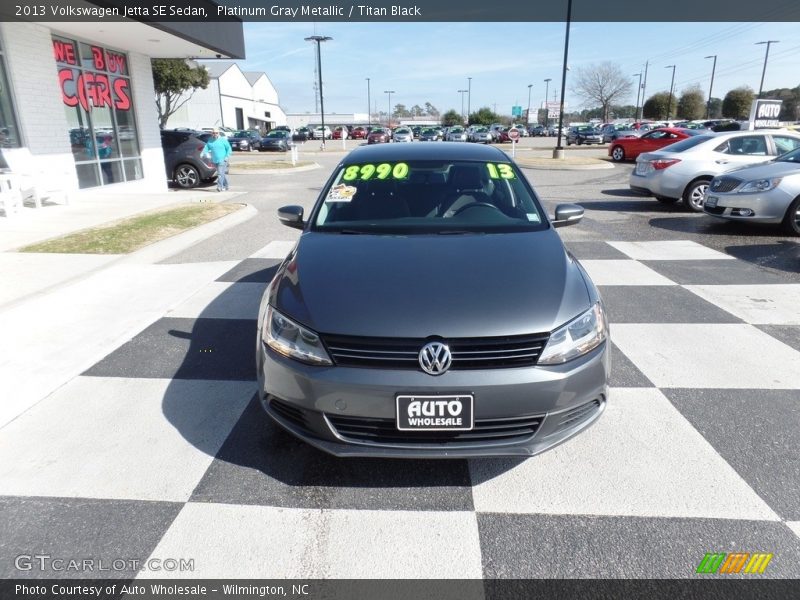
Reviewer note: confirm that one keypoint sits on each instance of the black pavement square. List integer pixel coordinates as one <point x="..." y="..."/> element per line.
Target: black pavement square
<point x="713" y="272"/>
<point x="788" y="334"/>
<point x="262" y="464"/>
<point x="623" y="372"/>
<point x="253" y="270"/>
<point x="572" y="547"/>
<point x="659" y="304"/>
<point x="594" y="251"/>
<point x="218" y="349"/>
<point x="756" y="432"/>
<point x="79" y="529"/>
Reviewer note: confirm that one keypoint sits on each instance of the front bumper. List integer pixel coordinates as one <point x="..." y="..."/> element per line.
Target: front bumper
<point x="768" y="207"/>
<point x="309" y="401"/>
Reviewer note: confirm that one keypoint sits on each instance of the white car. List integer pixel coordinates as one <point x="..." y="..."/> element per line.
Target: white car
<point x="456" y="134"/>
<point x="766" y="193"/>
<point x="403" y="134"/>
<point x="683" y="170"/>
<point x="317" y="132"/>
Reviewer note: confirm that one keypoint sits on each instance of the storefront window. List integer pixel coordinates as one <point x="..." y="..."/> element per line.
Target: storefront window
<point x="96" y="91"/>
<point x="9" y="131"/>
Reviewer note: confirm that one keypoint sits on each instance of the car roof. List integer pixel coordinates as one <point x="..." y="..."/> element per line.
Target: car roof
<point x="449" y="151"/>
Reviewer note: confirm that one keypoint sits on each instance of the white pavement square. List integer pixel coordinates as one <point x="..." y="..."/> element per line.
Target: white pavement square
<point x="722" y="356"/>
<point x="234" y="541"/>
<point x="222" y="300"/>
<point x="669" y="250"/>
<point x="642" y="458"/>
<point x="794" y="526"/>
<point x="623" y="272"/>
<point x="277" y="249"/>
<point x="137" y="439"/>
<point x="776" y="304"/>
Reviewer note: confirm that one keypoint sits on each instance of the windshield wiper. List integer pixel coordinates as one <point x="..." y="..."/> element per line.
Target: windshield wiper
<point x="352" y="232"/>
<point x="457" y="232"/>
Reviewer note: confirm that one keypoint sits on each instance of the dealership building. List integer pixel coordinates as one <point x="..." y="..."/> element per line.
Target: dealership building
<point x="77" y="98"/>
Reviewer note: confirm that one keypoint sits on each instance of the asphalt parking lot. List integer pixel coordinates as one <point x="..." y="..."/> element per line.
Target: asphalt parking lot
<point x="158" y="448"/>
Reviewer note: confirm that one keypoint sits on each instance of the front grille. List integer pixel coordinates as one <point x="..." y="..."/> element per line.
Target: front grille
<point x="384" y="431"/>
<point x="724" y="184"/>
<point x="716" y="210"/>
<point x="468" y="353"/>
<point x="576" y="415"/>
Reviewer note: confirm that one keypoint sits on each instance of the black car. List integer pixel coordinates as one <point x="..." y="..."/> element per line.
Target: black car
<point x="303" y="134"/>
<point x="278" y="140"/>
<point x="182" y="149"/>
<point x="584" y="134"/>
<point x="246" y="140"/>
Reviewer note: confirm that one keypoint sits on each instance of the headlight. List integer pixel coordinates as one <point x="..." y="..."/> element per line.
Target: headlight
<point x="286" y="337"/>
<point x="760" y="185"/>
<point x="576" y="338"/>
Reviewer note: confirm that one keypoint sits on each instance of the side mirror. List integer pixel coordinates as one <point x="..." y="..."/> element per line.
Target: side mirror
<point x="567" y="214"/>
<point x="291" y="216"/>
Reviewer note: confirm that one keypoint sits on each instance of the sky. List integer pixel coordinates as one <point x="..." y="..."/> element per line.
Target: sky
<point x="430" y="62"/>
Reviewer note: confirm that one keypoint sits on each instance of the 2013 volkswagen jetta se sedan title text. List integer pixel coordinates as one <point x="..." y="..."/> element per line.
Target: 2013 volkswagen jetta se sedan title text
<point x="430" y="309"/>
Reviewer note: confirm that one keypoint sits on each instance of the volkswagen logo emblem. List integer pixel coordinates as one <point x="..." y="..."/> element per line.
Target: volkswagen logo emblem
<point x="435" y="358"/>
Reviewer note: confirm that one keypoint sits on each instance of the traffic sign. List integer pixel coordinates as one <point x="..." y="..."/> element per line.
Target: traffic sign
<point x="513" y="134"/>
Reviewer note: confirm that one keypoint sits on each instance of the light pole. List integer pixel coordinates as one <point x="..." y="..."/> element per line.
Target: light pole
<point x="369" y="114"/>
<point x="638" y="91"/>
<point x="462" y="92"/>
<point x="528" y="119"/>
<point x="390" y="92"/>
<point x="558" y="152"/>
<point x="672" y="83"/>
<point x="318" y="39"/>
<point x="546" y="100"/>
<point x="766" y="56"/>
<point x="711" y="87"/>
<point x="469" y="96"/>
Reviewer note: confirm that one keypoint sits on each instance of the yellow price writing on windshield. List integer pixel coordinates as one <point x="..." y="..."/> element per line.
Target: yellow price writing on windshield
<point x="500" y="171"/>
<point x="370" y="171"/>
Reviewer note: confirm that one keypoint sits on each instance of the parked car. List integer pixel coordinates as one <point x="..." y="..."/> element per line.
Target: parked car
<point x="501" y="135"/>
<point x="378" y="135"/>
<point x="456" y="134"/>
<point x="302" y="134"/>
<point x="584" y="134"/>
<point x="318" y="133"/>
<point x="683" y="170"/>
<point x="358" y="133"/>
<point x="276" y="140"/>
<point x="285" y="128"/>
<point x="523" y="132"/>
<point x="184" y="165"/>
<point x="484" y="363"/>
<point x="338" y="131"/>
<point x="481" y="135"/>
<point x="613" y="131"/>
<point x="430" y="135"/>
<point x="245" y="140"/>
<point x="403" y="134"/>
<point x="538" y="131"/>
<point x="765" y="193"/>
<point x="629" y="148"/>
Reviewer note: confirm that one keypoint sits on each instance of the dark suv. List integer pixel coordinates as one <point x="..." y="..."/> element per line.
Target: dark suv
<point x="182" y="160"/>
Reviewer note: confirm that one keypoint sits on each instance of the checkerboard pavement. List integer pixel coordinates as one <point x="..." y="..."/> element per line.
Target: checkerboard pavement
<point x="161" y="450"/>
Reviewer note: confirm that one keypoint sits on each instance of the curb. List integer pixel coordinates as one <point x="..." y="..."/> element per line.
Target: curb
<point x="556" y="165"/>
<point x="276" y="171"/>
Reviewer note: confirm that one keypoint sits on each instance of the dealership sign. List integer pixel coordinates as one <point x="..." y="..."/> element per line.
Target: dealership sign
<point x="764" y="114"/>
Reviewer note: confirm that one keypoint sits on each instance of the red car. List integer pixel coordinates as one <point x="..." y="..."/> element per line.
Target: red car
<point x="630" y="147"/>
<point x="337" y="132"/>
<point x="379" y="136"/>
<point x="358" y="133"/>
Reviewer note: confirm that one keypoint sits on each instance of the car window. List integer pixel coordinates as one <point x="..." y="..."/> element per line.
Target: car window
<point x="428" y="197"/>
<point x="785" y="143"/>
<point x="751" y="145"/>
<point x="792" y="156"/>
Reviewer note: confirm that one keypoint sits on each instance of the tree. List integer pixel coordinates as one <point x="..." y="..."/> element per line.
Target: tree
<point x="790" y="109"/>
<point x="400" y="111"/>
<point x="715" y="108"/>
<point x="451" y="117"/>
<point x="737" y="102"/>
<point x="603" y="84"/>
<point x="692" y="104"/>
<point x="483" y="116"/>
<point x="656" y="105"/>
<point x="431" y="110"/>
<point x="173" y="79"/>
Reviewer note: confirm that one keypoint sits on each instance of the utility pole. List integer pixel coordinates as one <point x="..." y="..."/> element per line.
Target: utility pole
<point x="711" y="87"/>
<point x="644" y="88"/>
<point x="766" y="56"/>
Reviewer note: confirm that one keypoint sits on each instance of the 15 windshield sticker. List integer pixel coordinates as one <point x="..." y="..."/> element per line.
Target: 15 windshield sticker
<point x="381" y="171"/>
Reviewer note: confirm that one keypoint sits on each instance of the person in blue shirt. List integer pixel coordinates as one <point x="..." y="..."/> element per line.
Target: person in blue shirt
<point x="219" y="150"/>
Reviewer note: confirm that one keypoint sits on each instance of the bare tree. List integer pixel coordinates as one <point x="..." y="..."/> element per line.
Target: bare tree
<point x="603" y="84"/>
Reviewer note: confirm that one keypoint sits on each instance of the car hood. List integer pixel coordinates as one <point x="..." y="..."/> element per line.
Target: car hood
<point x="470" y="285"/>
<point x="766" y="170"/>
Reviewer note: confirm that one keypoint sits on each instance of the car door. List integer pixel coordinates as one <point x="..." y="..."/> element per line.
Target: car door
<point x="742" y="150"/>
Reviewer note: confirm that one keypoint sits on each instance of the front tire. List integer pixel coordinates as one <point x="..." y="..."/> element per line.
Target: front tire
<point x="791" y="222"/>
<point x="693" y="195"/>
<point x="186" y="176"/>
<point x="618" y="154"/>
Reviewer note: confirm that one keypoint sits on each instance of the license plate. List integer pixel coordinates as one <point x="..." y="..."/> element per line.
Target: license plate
<point x="434" y="413"/>
<point x="642" y="167"/>
<point x="711" y="201"/>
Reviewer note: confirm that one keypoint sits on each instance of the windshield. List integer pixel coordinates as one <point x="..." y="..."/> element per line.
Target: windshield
<point x="792" y="156"/>
<point x="428" y="197"/>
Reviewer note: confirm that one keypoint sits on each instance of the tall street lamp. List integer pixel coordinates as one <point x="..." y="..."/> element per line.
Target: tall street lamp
<point x="638" y="91"/>
<point x="528" y="119"/>
<point x="462" y="92"/>
<point x="711" y="87"/>
<point x="469" y="96"/>
<point x="318" y="39"/>
<point x="369" y="113"/>
<point x="558" y="152"/>
<point x="546" y="92"/>
<point x="671" y="86"/>
<point x="766" y="56"/>
<point x="390" y="92"/>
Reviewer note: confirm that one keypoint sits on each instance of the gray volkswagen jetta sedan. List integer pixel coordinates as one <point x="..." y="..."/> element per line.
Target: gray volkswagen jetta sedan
<point x="430" y="309"/>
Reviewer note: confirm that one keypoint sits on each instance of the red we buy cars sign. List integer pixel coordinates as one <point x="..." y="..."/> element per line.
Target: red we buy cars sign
<point x="90" y="88"/>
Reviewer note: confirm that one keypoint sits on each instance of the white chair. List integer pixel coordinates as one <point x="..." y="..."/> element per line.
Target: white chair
<point x="35" y="183"/>
<point x="10" y="195"/>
